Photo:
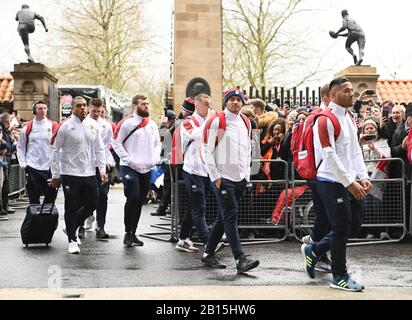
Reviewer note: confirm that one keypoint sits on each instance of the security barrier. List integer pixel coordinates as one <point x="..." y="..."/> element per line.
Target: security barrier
<point x="273" y="210"/>
<point x="256" y="207"/>
<point x="17" y="180"/>
<point x="386" y="215"/>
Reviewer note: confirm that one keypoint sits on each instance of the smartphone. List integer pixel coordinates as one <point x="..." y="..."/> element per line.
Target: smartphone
<point x="370" y="92"/>
<point x="385" y="113"/>
<point x="370" y="138"/>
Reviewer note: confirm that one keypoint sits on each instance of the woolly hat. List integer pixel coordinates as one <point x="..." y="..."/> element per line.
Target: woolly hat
<point x="234" y="92"/>
<point x="371" y="121"/>
<point x="189" y="105"/>
<point x="170" y="114"/>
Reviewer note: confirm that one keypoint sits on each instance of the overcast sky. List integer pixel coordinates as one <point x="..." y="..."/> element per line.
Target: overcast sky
<point x="386" y="24"/>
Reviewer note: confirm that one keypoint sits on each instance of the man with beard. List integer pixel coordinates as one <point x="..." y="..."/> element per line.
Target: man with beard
<point x="138" y="147"/>
<point x="77" y="148"/>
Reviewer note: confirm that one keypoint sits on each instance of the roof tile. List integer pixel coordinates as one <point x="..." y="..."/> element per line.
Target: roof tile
<point x="6" y="89"/>
<point x="396" y="90"/>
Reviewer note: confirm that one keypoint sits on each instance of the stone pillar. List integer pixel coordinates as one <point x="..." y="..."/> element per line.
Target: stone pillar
<point x="362" y="77"/>
<point x="197" y="61"/>
<point x="34" y="81"/>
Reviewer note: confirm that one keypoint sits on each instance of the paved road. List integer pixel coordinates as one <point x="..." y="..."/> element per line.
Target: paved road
<point x="108" y="269"/>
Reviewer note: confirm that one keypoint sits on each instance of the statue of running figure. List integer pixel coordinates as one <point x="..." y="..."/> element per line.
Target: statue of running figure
<point x="26" y="18"/>
<point x="354" y="34"/>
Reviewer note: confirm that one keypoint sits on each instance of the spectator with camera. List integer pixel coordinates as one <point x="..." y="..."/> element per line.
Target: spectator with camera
<point x="11" y="149"/>
<point x="3" y="166"/>
<point x="374" y="148"/>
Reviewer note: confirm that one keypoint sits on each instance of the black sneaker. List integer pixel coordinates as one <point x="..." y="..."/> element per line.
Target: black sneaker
<point x="80" y="232"/>
<point x="159" y="212"/>
<point x="136" y="242"/>
<point x="128" y="240"/>
<point x="211" y="261"/>
<point x="101" y="234"/>
<point x="244" y="264"/>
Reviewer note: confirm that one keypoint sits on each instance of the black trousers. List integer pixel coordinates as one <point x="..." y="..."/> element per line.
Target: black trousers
<point x="136" y="186"/>
<point x="37" y="185"/>
<point x="6" y="188"/>
<point x="102" y="200"/>
<point x="80" y="200"/>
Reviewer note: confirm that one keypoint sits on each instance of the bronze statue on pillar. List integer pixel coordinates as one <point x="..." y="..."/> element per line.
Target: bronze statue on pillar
<point x="354" y="34"/>
<point x="26" y="18"/>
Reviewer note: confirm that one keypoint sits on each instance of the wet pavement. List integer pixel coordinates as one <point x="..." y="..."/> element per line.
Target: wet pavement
<point x="108" y="264"/>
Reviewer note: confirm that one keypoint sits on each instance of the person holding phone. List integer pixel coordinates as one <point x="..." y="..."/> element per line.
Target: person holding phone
<point x="374" y="147"/>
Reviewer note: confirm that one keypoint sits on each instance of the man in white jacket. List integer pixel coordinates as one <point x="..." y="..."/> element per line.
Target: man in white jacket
<point x="138" y="147"/>
<point x="340" y="163"/>
<point x="77" y="148"/>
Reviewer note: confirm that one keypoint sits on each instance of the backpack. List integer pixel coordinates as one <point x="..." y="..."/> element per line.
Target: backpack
<point x="178" y="154"/>
<point x="305" y="163"/>
<point x="29" y="127"/>
<point x="296" y="141"/>
<point x="222" y="126"/>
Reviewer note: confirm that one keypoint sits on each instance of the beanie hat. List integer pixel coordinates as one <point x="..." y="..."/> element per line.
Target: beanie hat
<point x="234" y="92"/>
<point x="189" y="105"/>
<point x="372" y="122"/>
<point x="170" y="114"/>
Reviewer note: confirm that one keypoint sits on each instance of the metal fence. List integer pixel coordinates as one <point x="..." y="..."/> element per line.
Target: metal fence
<point x="280" y="95"/>
<point x="17" y="180"/>
<point x="255" y="209"/>
<point x="277" y="209"/>
<point x="380" y="215"/>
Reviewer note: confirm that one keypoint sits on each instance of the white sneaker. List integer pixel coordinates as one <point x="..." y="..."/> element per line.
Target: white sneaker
<point x="77" y="238"/>
<point x="88" y="223"/>
<point x="187" y="246"/>
<point x="307" y="240"/>
<point x="385" y="236"/>
<point x="74" y="247"/>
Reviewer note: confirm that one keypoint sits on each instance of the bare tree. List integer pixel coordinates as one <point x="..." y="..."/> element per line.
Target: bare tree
<point x="263" y="41"/>
<point x="102" y="40"/>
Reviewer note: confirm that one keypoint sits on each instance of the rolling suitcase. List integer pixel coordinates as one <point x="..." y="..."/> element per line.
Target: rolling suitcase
<point x="40" y="223"/>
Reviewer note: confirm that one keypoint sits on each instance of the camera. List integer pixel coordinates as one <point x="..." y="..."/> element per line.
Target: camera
<point x="370" y="138"/>
<point x="370" y="92"/>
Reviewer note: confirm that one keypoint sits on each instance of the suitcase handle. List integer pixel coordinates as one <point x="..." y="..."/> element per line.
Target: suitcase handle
<point x="54" y="202"/>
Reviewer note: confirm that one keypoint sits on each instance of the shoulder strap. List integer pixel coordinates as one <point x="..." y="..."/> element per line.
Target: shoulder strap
<point x="54" y="126"/>
<point x="119" y="125"/>
<point x="247" y="123"/>
<point x="142" y="124"/>
<point x="55" y="132"/>
<point x="29" y="127"/>
<point x="28" y="130"/>
<point x="194" y="120"/>
<point x="333" y="119"/>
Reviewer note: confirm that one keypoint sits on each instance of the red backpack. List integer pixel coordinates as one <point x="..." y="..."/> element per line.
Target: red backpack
<point x="29" y="127"/>
<point x="296" y="141"/>
<point x="178" y="154"/>
<point x="222" y="126"/>
<point x="305" y="163"/>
